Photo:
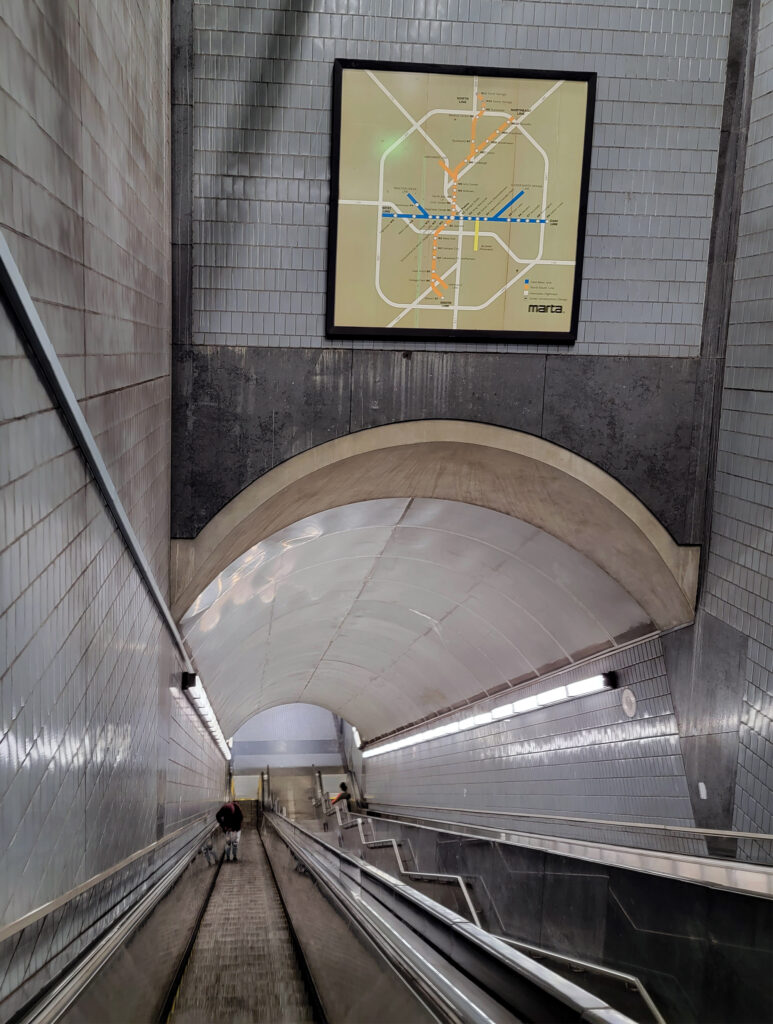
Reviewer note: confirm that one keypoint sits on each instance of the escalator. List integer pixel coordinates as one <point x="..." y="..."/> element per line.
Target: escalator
<point x="298" y="931"/>
<point x="243" y="934"/>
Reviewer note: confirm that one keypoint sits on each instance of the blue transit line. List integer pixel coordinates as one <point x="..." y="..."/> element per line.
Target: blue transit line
<point x="418" y="204"/>
<point x="497" y="218"/>
<point x="441" y="216"/>
<point x="508" y="205"/>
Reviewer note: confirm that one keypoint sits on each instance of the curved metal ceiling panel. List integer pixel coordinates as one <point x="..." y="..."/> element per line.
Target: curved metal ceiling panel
<point x="387" y="611"/>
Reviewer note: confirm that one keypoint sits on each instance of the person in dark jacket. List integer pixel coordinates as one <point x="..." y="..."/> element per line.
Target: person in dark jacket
<point x="344" y="795"/>
<point x="230" y="817"/>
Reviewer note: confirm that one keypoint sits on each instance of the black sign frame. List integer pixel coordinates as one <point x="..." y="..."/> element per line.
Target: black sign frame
<point x="337" y="331"/>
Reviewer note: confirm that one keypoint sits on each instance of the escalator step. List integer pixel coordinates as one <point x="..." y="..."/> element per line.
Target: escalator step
<point x="243" y="965"/>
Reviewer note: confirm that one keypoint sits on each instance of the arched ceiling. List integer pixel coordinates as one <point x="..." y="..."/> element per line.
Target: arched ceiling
<point x="492" y="467"/>
<point x="389" y="610"/>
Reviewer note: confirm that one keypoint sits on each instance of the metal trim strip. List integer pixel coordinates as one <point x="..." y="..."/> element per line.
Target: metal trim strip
<point x="59" y="388"/>
<point x="48" y="908"/>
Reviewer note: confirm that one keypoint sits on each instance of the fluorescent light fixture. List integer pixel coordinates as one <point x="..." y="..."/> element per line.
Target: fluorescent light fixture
<point x="476" y="721"/>
<point x="581" y="688"/>
<point x="194" y="691"/>
<point x="551" y="696"/>
<point x="357" y="738"/>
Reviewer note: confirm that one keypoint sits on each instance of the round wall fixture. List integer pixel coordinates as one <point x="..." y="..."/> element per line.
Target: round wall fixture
<point x="629" y="702"/>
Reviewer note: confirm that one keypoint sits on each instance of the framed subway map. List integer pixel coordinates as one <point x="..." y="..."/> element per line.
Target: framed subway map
<point x="458" y="200"/>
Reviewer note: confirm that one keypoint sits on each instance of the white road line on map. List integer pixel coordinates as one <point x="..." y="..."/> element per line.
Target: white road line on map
<point x="495" y="236"/>
<point x="493" y="298"/>
<point x="424" y="294"/>
<point x="539" y="149"/>
<point x="462" y="113"/>
<point x="458" y="280"/>
<point x="514" y="125"/>
<point x="518" y="259"/>
<point x="417" y="126"/>
<point x="472" y="309"/>
<point x="502" y="290"/>
<point x="486" y="150"/>
<point x="541" y="100"/>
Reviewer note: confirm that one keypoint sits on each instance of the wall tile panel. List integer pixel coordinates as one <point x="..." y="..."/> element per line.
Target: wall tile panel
<point x="86" y="664"/>
<point x="582" y="758"/>
<point x="85" y="207"/>
<point x="738" y="588"/>
<point x="261" y="124"/>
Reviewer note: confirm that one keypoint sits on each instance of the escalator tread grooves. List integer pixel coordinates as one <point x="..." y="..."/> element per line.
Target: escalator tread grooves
<point x="168" y="1004"/>
<point x="313" y="993"/>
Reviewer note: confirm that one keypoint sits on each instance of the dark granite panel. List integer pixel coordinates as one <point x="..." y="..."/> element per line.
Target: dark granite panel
<point x="739" y="985"/>
<point x="574" y="907"/>
<point x="503" y="389"/>
<point x="711" y="759"/>
<point x="656" y="929"/>
<point x="706" y="666"/>
<point x="509" y="885"/>
<point x="238" y="412"/>
<point x="700" y="951"/>
<point x="633" y="418"/>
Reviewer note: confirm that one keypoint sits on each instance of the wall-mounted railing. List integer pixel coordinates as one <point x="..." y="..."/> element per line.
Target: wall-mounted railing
<point x="53" y="375"/>
<point x="745" y="862"/>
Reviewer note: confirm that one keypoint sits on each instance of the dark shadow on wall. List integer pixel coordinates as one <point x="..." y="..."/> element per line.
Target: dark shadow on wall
<point x="249" y="118"/>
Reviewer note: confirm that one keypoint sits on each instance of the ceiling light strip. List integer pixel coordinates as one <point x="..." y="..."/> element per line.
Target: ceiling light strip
<point x="196" y="694"/>
<point x="559" y="694"/>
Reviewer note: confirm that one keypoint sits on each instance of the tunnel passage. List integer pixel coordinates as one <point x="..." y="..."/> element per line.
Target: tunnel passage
<point x="425" y="573"/>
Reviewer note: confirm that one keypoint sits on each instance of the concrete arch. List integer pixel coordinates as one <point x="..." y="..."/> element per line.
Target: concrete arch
<point x="503" y="470"/>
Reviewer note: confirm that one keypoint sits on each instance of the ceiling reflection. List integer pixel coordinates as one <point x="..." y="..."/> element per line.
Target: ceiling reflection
<point x="386" y="611"/>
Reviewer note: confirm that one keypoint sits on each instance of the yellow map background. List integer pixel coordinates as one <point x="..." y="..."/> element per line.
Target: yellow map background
<point x="428" y="233"/>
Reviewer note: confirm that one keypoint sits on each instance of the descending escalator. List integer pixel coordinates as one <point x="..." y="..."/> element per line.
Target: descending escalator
<point x="299" y="931"/>
<point x="243" y="965"/>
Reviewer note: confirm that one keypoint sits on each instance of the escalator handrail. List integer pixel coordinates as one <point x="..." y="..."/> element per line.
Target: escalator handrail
<point x="48" y="908"/>
<point x="575" y="962"/>
<point x="389" y="891"/>
<point x="50" y="1007"/>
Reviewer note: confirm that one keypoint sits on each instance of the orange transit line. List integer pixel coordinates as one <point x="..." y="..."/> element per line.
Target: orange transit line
<point x="435" y="278"/>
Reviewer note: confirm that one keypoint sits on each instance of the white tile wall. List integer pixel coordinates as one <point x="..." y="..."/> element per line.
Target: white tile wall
<point x="739" y="586"/>
<point x="98" y="757"/>
<point x="85" y="208"/>
<point x="582" y="758"/>
<point x="262" y="137"/>
<point x="86" y="666"/>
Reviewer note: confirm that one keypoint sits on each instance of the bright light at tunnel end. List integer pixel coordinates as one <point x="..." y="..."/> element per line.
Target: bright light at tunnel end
<point x="581" y="688"/>
<point x="194" y="691"/>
